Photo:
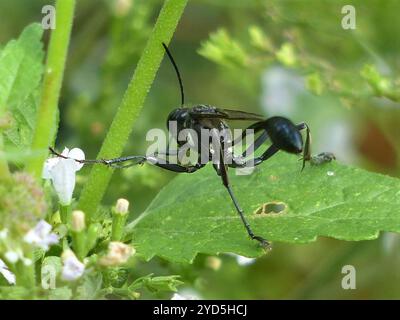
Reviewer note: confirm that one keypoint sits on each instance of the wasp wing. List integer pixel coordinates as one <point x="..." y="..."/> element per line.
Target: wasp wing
<point x="209" y="112"/>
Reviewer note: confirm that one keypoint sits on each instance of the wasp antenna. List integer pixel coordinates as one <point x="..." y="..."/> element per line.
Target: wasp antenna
<point x="177" y="72"/>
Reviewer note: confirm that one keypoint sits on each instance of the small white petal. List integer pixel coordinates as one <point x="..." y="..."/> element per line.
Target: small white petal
<point x="72" y="269"/>
<point x="10" y="277"/>
<point x="48" y="166"/>
<point x="63" y="178"/>
<point x="41" y="236"/>
<point x="62" y="173"/>
<point x="65" y="152"/>
<point x="43" y="228"/>
<point x="12" y="256"/>
<point x="77" y="154"/>
<point x="7" y="274"/>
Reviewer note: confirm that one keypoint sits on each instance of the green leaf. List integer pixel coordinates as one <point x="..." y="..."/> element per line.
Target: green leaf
<point x="194" y="213"/>
<point x="157" y="284"/>
<point x="90" y="287"/>
<point x="52" y="264"/>
<point x="62" y="293"/>
<point x="287" y="55"/>
<point x="383" y="86"/>
<point x="14" y="293"/>
<point x="222" y="49"/>
<point x="50" y="268"/>
<point x="21" y="68"/>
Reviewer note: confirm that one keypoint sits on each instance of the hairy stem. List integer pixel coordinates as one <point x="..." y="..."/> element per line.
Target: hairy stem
<point x="131" y="104"/>
<point x="46" y="125"/>
<point x="4" y="171"/>
<point x="65" y="214"/>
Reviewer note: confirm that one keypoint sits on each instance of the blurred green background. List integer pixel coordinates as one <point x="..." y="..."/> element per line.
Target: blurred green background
<point x="286" y="57"/>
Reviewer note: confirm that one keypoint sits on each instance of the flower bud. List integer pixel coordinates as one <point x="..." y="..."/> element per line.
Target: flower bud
<point x="122" y="206"/>
<point x="78" y="221"/>
<point x="120" y="214"/>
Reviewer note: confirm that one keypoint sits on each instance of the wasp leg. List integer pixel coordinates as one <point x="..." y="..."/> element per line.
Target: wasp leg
<point x="307" y="145"/>
<point x="238" y="163"/>
<point x="165" y="164"/>
<point x="257" y="144"/>
<point x="115" y="162"/>
<point x="222" y="172"/>
<point x="258" y="126"/>
<point x="109" y="162"/>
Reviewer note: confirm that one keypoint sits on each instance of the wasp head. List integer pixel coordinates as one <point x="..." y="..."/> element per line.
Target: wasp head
<point x="177" y="119"/>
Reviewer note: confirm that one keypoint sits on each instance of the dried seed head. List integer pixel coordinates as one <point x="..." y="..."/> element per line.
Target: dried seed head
<point x="118" y="253"/>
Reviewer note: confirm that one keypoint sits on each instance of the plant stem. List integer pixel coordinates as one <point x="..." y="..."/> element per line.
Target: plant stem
<point x="65" y="214"/>
<point x="4" y="171"/>
<point x="25" y="274"/>
<point x="118" y="226"/>
<point x="46" y="124"/>
<point x="79" y="243"/>
<point x="131" y="104"/>
<point x="93" y="234"/>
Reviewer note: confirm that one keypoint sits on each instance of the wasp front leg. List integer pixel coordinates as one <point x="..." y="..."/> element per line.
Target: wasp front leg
<point x="307" y="144"/>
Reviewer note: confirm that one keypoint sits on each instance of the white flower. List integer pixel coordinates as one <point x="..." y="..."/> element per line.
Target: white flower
<point x="13" y="256"/>
<point x="10" y="277"/>
<point x="62" y="171"/>
<point x="72" y="268"/>
<point x="41" y="236"/>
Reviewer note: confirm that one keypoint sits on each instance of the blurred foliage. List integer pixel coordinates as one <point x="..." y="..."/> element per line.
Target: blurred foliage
<point x="21" y="72"/>
<point x="344" y="83"/>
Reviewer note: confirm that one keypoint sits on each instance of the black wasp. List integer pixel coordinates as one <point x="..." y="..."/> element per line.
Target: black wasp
<point x="283" y="134"/>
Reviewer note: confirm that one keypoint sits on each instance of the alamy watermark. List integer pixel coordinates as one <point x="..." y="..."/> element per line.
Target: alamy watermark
<point x="49" y="20"/>
<point x="190" y="147"/>
<point x="349" y="18"/>
<point x="349" y="280"/>
<point x="48" y="277"/>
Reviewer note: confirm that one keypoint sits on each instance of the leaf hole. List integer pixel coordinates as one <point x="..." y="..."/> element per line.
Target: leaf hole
<point x="273" y="207"/>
